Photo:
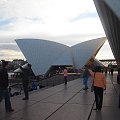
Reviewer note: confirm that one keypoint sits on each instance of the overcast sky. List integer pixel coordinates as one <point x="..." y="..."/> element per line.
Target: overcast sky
<point x="65" y="21"/>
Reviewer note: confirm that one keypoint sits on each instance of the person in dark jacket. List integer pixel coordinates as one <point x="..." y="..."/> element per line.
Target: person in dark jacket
<point x="118" y="81"/>
<point x="25" y="80"/>
<point x="4" y="92"/>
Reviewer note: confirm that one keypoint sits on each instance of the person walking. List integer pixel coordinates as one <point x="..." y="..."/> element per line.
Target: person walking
<point x="118" y="82"/>
<point x="106" y="70"/>
<point x="65" y="72"/>
<point x="99" y="84"/>
<point x="86" y="75"/>
<point x="25" y="80"/>
<point x="4" y="82"/>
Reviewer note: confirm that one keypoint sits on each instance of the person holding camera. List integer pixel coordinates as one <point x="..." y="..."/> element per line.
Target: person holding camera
<point x="25" y="80"/>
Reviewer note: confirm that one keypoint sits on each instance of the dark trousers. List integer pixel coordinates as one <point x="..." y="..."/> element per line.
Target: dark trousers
<point x="98" y="97"/>
<point x="65" y="79"/>
<point x="119" y="101"/>
<point x="25" y="88"/>
<point x="5" y="94"/>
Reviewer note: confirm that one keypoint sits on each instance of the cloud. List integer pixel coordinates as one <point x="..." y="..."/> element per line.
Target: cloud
<point x="9" y="46"/>
<point x="47" y="16"/>
<point x="6" y="24"/>
<point x="10" y="55"/>
<point x="84" y="16"/>
<point x="65" y="21"/>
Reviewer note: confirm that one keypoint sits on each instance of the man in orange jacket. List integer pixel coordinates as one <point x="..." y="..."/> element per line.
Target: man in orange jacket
<point x="99" y="84"/>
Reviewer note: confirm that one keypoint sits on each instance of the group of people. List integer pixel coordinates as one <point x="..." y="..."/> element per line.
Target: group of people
<point x="98" y="84"/>
<point x="4" y="83"/>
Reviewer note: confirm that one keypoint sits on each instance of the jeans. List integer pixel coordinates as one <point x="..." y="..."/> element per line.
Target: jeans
<point x="5" y="94"/>
<point x="119" y="101"/>
<point x="85" y="81"/>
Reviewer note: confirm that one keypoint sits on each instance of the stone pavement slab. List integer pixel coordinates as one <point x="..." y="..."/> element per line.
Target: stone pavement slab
<point x="72" y="112"/>
<point x="65" y="103"/>
<point x="107" y="113"/>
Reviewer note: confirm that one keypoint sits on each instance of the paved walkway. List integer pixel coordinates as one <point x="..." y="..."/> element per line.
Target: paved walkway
<point x="65" y="103"/>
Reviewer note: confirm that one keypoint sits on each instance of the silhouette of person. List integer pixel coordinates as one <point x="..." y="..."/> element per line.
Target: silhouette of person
<point x="106" y="70"/>
<point x="4" y="82"/>
<point x="25" y="80"/>
<point x="65" y="72"/>
<point x="118" y="81"/>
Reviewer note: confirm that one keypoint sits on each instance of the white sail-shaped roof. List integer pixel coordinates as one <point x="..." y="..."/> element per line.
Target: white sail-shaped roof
<point x="42" y="54"/>
<point x="98" y="63"/>
<point x="82" y="52"/>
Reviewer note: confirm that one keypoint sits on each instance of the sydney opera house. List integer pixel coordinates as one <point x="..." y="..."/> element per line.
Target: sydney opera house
<point x="44" y="54"/>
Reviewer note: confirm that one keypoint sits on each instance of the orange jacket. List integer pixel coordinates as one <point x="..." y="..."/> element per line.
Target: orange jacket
<point x="99" y="79"/>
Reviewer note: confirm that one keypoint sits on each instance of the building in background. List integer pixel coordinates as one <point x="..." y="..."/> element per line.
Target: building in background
<point x="44" y="54"/>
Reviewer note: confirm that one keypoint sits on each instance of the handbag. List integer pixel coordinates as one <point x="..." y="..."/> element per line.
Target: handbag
<point x="92" y="87"/>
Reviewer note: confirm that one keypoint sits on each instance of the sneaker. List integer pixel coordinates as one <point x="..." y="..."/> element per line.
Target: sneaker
<point x="95" y="109"/>
<point x="85" y="88"/>
<point x="99" y="109"/>
<point x="25" y="98"/>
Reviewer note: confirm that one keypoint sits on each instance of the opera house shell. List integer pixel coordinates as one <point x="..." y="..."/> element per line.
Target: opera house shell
<point x="42" y="54"/>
